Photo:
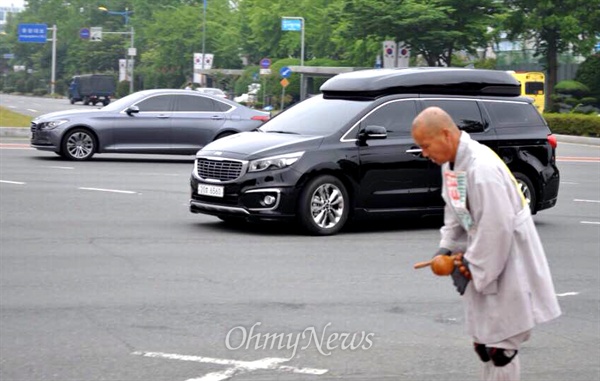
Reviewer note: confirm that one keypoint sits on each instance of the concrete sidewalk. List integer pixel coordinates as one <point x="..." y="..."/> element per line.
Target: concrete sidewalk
<point x="24" y="132"/>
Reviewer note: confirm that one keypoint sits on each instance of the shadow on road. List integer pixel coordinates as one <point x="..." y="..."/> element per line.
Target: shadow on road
<point x="360" y="226"/>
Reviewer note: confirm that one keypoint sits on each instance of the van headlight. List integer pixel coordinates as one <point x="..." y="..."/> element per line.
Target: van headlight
<point x="274" y="162"/>
<point x="51" y="124"/>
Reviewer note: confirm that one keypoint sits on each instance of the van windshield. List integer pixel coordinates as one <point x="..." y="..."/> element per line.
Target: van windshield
<point x="316" y="116"/>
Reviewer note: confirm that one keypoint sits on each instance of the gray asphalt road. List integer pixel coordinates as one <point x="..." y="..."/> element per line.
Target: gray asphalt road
<point x="36" y="106"/>
<point x="105" y="275"/>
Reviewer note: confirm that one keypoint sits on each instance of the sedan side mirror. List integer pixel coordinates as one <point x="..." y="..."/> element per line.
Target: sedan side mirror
<point x="132" y="110"/>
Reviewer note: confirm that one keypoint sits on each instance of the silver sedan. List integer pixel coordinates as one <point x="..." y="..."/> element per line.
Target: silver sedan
<point x="165" y="121"/>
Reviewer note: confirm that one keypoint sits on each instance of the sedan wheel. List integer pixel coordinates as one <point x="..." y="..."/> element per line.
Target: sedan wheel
<point x="324" y="206"/>
<point x="79" y="144"/>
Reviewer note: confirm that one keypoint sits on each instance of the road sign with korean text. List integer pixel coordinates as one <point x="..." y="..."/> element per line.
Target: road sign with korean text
<point x="33" y="33"/>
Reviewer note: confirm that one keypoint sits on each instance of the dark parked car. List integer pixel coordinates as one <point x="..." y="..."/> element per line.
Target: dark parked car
<point x="349" y="151"/>
<point x="149" y="121"/>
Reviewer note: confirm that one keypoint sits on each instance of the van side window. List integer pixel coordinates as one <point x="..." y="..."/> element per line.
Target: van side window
<point x="396" y="117"/>
<point x="466" y="114"/>
<point x="513" y="114"/>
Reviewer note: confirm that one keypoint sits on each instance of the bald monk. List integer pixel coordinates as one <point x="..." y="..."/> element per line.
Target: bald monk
<point x="502" y="273"/>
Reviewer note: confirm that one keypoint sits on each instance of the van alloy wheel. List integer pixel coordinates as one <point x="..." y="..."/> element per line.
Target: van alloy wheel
<point x="324" y="205"/>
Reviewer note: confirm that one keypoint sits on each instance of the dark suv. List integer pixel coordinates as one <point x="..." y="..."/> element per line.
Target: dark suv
<point x="349" y="150"/>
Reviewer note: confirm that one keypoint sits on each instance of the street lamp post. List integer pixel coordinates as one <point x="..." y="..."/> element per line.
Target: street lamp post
<point x="202" y="84"/>
<point x="293" y="27"/>
<point x="129" y="56"/>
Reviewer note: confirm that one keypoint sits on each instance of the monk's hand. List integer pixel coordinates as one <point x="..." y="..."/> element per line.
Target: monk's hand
<point x="461" y="275"/>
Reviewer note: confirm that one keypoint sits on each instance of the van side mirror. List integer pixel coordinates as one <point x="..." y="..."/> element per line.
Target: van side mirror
<point x="132" y="110"/>
<point x="372" y="132"/>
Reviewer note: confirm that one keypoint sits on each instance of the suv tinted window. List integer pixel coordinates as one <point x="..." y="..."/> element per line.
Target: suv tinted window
<point x="193" y="103"/>
<point x="465" y="113"/>
<point x="513" y="114"/>
<point x="155" y="104"/>
<point x="316" y="116"/>
<point x="395" y="116"/>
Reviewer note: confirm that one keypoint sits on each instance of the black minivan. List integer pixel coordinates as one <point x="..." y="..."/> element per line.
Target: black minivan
<point x="349" y="151"/>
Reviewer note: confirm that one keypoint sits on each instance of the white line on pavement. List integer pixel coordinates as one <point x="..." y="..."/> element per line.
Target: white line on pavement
<point x="57" y="167"/>
<point x="12" y="182"/>
<point x="237" y="367"/>
<point x="568" y="294"/>
<point x="108" y="190"/>
<point x="590" y="222"/>
<point x="32" y="110"/>
<point x="580" y="200"/>
<point x="569" y="183"/>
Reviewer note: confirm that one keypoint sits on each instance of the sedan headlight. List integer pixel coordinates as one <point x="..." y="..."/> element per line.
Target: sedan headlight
<point x="274" y="162"/>
<point x="51" y="124"/>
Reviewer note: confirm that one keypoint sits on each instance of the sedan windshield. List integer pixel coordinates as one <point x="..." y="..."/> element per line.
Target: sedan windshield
<point x="316" y="116"/>
<point x="123" y="103"/>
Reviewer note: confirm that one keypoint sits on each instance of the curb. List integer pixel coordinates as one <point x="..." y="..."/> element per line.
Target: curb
<point x="15" y="132"/>
<point x="25" y="132"/>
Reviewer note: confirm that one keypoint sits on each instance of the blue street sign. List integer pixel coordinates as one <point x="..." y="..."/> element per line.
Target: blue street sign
<point x="84" y="33"/>
<point x="294" y="25"/>
<point x="265" y="63"/>
<point x="285" y="72"/>
<point x="597" y="48"/>
<point x="33" y="33"/>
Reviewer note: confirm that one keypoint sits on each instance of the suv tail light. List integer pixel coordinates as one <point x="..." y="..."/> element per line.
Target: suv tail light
<point x="552" y="140"/>
<point x="262" y="118"/>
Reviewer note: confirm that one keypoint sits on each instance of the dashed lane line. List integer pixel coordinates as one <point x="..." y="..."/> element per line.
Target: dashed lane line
<point x="567" y="294"/>
<point x="581" y="200"/>
<point x="12" y="182"/>
<point x="109" y="190"/>
<point x="590" y="222"/>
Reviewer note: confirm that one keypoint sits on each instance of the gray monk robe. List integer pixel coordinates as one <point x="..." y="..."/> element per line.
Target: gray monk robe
<point x="487" y="218"/>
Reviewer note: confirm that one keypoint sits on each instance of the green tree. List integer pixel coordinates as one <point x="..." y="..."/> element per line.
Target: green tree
<point x="556" y="26"/>
<point x="433" y="28"/>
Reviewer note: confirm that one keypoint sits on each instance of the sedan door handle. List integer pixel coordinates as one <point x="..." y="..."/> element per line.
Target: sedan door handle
<point x="216" y="117"/>
<point x="163" y="116"/>
<point x="413" y="151"/>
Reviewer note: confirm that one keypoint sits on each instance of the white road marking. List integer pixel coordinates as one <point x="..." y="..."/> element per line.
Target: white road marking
<point x="57" y="167"/>
<point x="12" y="182"/>
<point x="108" y="190"/>
<point x="568" y="294"/>
<point x="237" y="367"/>
<point x="569" y="183"/>
<point x="578" y="159"/>
<point x="590" y="222"/>
<point x="580" y="200"/>
<point x="32" y="110"/>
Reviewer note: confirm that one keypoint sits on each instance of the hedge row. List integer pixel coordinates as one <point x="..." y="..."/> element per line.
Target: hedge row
<point x="574" y="124"/>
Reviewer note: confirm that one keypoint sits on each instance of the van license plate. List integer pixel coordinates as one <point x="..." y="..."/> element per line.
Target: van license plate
<point x="210" y="190"/>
